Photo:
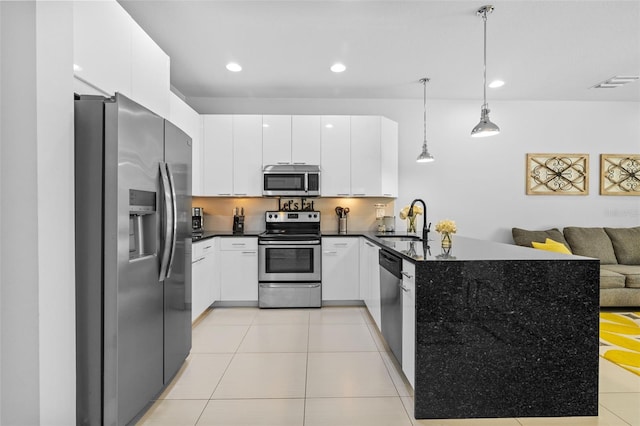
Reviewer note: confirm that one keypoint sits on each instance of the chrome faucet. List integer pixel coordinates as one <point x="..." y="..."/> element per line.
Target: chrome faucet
<point x="425" y="228"/>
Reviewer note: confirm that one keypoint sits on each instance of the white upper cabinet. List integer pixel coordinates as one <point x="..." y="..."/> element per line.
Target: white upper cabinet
<point x="389" y="152"/>
<point x="149" y="73"/>
<point x="365" y="155"/>
<point x="305" y="139"/>
<point x="335" y="156"/>
<point x="111" y="53"/>
<point x="217" y="156"/>
<point x="183" y="116"/>
<point x="276" y="139"/>
<point x="232" y="155"/>
<point x="102" y="46"/>
<point x="359" y="156"/>
<point x="288" y="139"/>
<point x="247" y="155"/>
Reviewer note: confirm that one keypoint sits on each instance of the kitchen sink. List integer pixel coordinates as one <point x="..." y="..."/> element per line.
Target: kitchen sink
<point x="399" y="237"/>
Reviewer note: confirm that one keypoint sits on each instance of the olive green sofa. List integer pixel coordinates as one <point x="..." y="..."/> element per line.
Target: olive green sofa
<point x="617" y="248"/>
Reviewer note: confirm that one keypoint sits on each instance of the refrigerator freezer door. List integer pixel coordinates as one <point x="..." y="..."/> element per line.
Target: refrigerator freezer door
<point x="133" y="297"/>
<point x="177" y="287"/>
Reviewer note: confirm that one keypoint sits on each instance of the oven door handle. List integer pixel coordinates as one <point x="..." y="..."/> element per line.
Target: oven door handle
<point x="289" y="243"/>
<point x="271" y="285"/>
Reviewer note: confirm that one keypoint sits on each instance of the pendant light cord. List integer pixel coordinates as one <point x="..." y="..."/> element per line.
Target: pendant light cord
<point x="484" y="18"/>
<point x="424" y="83"/>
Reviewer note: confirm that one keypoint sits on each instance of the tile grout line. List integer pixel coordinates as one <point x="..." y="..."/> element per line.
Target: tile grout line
<point x="306" y="372"/>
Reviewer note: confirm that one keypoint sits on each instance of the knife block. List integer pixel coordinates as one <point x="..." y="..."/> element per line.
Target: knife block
<point x="238" y="224"/>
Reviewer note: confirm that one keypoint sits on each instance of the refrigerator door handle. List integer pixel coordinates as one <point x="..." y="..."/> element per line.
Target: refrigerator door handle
<point x="167" y="222"/>
<point x="174" y="224"/>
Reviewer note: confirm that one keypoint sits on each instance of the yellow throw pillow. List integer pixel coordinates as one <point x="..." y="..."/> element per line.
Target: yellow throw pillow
<point x="551" y="245"/>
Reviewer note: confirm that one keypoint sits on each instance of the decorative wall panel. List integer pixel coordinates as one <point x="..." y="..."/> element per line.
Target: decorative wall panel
<point x="620" y="174"/>
<point x="557" y="174"/>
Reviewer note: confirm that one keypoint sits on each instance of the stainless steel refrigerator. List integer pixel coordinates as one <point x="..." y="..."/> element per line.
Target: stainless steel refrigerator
<point x="133" y="245"/>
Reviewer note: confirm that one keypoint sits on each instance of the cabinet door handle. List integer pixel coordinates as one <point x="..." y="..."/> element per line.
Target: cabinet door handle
<point x="340" y="244"/>
<point x="344" y="195"/>
<point x="196" y="261"/>
<point x="387" y="195"/>
<point x="330" y="252"/>
<point x="407" y="274"/>
<point x="208" y="247"/>
<point x="239" y="244"/>
<point x="299" y="163"/>
<point x="405" y="289"/>
<point x="224" y="193"/>
<point x="248" y="252"/>
<point x="241" y="194"/>
<point x="359" y="195"/>
<point x="284" y="162"/>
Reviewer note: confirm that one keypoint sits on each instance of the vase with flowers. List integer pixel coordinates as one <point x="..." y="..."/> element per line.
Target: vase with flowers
<point x="411" y="219"/>
<point x="446" y="228"/>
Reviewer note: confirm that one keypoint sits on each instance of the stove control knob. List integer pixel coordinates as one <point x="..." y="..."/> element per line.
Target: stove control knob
<point x="315" y="215"/>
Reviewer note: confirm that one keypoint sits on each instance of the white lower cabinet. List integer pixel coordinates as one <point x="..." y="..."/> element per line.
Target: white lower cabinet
<point x="340" y="274"/>
<point x="239" y="269"/>
<point x="203" y="277"/>
<point x="370" y="279"/>
<point x="409" y="320"/>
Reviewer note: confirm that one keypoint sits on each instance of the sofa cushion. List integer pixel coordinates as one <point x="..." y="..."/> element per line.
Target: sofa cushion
<point x="630" y="272"/>
<point x="550" y="245"/>
<point x="523" y="237"/>
<point x="626" y="244"/>
<point x="591" y="242"/>
<point x="610" y="279"/>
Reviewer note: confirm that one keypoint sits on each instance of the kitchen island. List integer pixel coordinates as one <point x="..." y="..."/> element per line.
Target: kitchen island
<point x="503" y="331"/>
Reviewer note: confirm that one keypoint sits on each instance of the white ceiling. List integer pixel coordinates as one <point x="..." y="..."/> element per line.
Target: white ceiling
<point x="544" y="50"/>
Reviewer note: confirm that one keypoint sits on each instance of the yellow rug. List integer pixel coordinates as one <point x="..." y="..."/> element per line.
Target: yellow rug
<point x="620" y="339"/>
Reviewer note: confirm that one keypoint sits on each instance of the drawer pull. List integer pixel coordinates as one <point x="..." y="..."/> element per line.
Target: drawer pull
<point x="407" y="274"/>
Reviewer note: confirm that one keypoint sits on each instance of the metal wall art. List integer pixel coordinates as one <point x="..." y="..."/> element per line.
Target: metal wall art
<point x="620" y="174"/>
<point x="557" y="174"/>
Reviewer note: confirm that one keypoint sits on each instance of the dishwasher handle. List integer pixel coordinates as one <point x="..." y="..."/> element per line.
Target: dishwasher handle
<point x="391" y="263"/>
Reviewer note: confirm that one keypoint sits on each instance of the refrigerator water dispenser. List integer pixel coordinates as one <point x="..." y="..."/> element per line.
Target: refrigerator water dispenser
<point x="142" y="224"/>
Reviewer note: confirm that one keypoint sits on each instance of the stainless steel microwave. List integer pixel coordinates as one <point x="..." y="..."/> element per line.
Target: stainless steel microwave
<point x="291" y="181"/>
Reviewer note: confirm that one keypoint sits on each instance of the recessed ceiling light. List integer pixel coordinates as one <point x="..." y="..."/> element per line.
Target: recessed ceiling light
<point x="338" y="67"/>
<point x="233" y="67"/>
<point x="77" y="68"/>
<point x="496" y="83"/>
<point x="329" y="126"/>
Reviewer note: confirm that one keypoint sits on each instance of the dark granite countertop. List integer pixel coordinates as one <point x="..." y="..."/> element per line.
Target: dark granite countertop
<point x="463" y="248"/>
<point x="210" y="234"/>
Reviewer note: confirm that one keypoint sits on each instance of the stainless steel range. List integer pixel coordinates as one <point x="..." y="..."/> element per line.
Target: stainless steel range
<point x="289" y="256"/>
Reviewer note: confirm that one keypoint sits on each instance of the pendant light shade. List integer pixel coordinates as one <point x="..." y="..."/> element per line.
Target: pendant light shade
<point x="425" y="156"/>
<point x="485" y="127"/>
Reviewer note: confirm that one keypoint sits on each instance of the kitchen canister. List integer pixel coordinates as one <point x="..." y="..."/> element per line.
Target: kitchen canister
<point x="342" y="225"/>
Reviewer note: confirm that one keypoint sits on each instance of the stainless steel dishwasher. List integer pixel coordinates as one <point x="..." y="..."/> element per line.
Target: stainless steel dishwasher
<point x="391" y="301"/>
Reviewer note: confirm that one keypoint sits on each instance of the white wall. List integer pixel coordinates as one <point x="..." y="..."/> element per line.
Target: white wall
<point x="37" y="370"/>
<point x="56" y="237"/>
<point x="480" y="183"/>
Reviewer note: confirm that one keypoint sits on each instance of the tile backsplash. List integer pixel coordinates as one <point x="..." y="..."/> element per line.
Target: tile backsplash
<point x="218" y="211"/>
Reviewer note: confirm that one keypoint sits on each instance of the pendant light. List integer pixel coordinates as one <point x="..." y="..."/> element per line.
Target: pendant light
<point x="485" y="127"/>
<point x="424" y="156"/>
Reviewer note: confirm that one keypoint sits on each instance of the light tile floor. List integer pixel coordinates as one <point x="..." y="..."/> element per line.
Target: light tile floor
<point x="322" y="367"/>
